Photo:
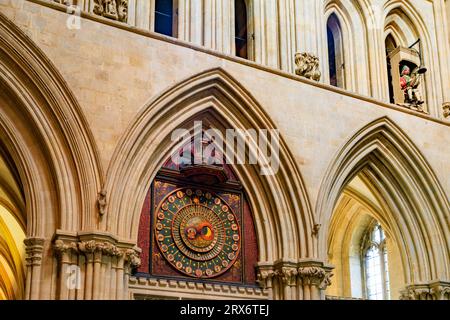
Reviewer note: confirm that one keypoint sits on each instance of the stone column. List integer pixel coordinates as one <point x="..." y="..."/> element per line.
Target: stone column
<point x="34" y="248"/>
<point x="303" y="280"/>
<point x="288" y="31"/>
<point x="310" y="28"/>
<point x="218" y="25"/>
<point x="67" y="255"/>
<point x="265" y="279"/>
<point x="266" y="32"/>
<point x="190" y="21"/>
<point x="99" y="264"/>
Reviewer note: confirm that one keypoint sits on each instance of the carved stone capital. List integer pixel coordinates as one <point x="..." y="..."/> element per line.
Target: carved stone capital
<point x="34" y="248"/>
<point x="315" y="273"/>
<point x="437" y="290"/>
<point x="90" y="246"/>
<point x="288" y="275"/>
<point x="132" y="257"/>
<point x="264" y="276"/>
<point x="63" y="249"/>
<point x="307" y="65"/>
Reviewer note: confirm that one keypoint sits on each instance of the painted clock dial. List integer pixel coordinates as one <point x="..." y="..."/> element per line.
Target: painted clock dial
<point x="197" y="233"/>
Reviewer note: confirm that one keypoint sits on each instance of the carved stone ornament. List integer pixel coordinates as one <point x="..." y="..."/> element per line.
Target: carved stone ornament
<point x="446" y="109"/>
<point x="112" y="9"/>
<point x="307" y="65"/>
<point x="438" y="290"/>
<point x="132" y="257"/>
<point x="61" y="247"/>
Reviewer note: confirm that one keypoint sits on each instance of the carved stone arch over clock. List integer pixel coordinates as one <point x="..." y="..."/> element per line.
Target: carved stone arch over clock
<point x="196" y="226"/>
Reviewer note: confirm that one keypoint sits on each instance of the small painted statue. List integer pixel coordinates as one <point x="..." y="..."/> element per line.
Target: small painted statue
<point x="410" y="84"/>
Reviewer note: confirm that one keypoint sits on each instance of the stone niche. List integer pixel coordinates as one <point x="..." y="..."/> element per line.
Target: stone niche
<point x="399" y="57"/>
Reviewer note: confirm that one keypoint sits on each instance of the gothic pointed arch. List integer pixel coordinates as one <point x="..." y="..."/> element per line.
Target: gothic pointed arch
<point x="44" y="133"/>
<point x="279" y="202"/>
<point x="415" y="206"/>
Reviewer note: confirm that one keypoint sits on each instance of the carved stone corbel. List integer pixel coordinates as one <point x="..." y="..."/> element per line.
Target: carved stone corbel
<point x="307" y="65"/>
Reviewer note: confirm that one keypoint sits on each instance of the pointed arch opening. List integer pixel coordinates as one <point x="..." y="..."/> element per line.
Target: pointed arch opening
<point x="12" y="231"/>
<point x="218" y="94"/>
<point x="49" y="151"/>
<point x="395" y="187"/>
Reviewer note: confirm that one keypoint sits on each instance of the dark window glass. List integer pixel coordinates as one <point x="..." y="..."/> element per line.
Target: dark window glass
<point x="164" y="17"/>
<point x="240" y="15"/>
<point x="332" y="57"/>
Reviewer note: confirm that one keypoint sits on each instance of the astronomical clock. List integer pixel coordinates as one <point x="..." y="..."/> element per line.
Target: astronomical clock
<point x="197" y="224"/>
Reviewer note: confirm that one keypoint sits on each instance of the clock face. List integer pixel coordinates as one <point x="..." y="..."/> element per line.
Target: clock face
<point x="197" y="233"/>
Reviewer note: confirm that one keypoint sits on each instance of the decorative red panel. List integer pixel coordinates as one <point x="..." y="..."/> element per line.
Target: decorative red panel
<point x="197" y="232"/>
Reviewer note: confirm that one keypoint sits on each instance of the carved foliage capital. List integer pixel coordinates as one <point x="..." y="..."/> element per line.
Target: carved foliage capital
<point x="34" y="248"/>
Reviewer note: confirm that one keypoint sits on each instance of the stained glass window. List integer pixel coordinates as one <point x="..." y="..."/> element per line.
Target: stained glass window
<point x="376" y="271"/>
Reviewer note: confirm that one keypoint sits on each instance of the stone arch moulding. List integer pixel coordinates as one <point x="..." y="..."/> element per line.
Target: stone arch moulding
<point x="282" y="213"/>
<point x="46" y="135"/>
<point x="404" y="180"/>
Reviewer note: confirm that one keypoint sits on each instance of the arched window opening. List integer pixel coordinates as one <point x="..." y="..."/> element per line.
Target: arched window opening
<point x="376" y="271"/>
<point x="359" y="248"/>
<point x="335" y="52"/>
<point x="390" y="45"/>
<point x="241" y="32"/>
<point x="166" y="17"/>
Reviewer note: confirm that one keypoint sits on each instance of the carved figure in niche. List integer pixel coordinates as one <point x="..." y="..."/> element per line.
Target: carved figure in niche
<point x="307" y="66"/>
<point x="110" y="8"/>
<point x="410" y="84"/>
